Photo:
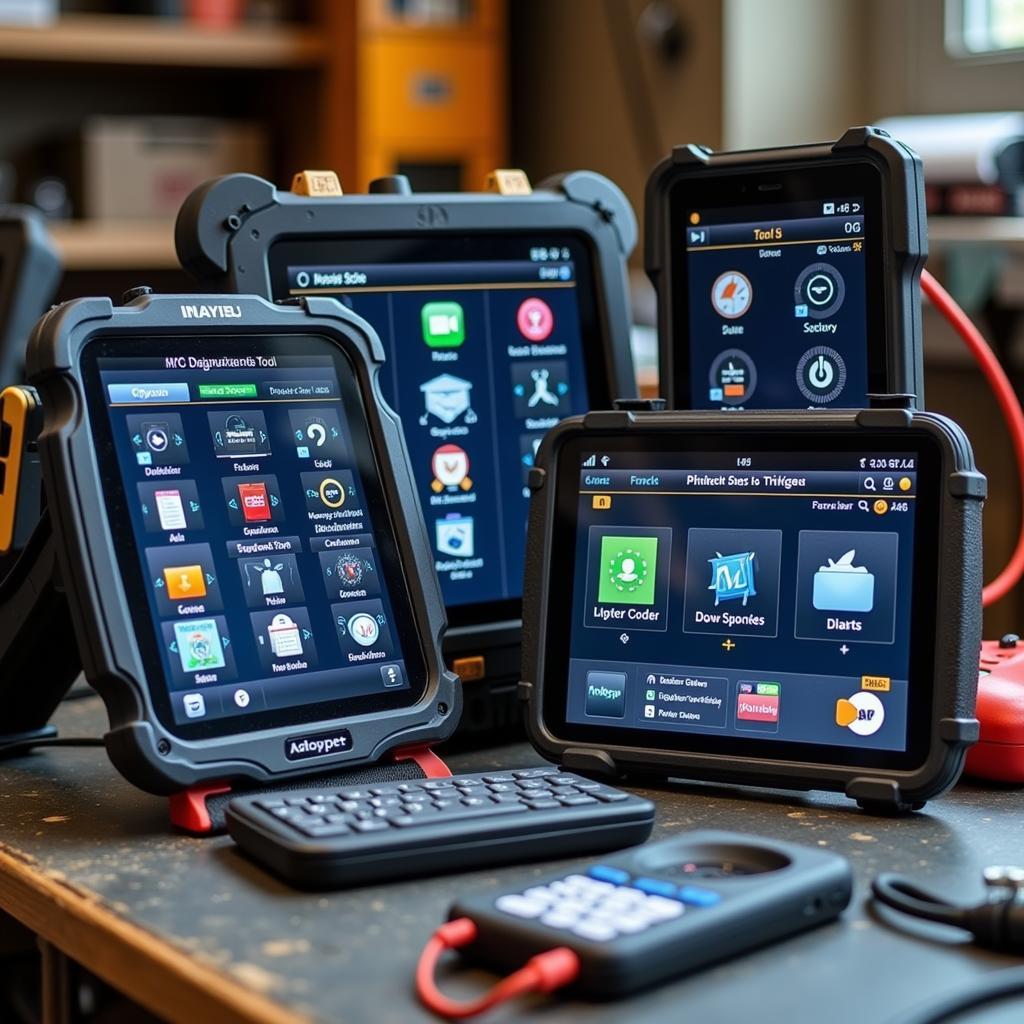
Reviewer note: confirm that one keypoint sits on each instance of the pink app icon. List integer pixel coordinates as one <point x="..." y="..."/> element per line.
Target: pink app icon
<point x="535" y="320"/>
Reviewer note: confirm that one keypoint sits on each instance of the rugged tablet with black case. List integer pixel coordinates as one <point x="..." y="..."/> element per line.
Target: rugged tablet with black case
<point x="789" y="277"/>
<point x="232" y="517"/>
<point x="771" y="599"/>
<point x="501" y="314"/>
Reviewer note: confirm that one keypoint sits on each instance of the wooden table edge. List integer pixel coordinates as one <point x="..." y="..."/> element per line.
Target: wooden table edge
<point x="163" y="978"/>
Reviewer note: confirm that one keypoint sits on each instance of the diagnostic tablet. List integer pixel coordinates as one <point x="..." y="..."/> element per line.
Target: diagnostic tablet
<point x="782" y="599"/>
<point x="500" y="315"/>
<point x="239" y="536"/>
<point x="788" y="278"/>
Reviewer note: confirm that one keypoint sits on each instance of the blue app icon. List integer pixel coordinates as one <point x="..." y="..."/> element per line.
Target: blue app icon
<point x="715" y="395"/>
<point x="732" y="577"/>
<point x="842" y="586"/>
<point x="800" y="310"/>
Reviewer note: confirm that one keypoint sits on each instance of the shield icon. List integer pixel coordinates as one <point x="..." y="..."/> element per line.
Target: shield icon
<point x="447" y="398"/>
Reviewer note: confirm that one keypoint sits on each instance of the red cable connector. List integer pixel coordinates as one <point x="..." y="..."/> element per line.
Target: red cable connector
<point x="1008" y="404"/>
<point x="545" y="972"/>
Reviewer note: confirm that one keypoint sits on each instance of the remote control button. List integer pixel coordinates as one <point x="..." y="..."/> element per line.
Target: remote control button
<point x="542" y="805"/>
<point x="595" y="931"/>
<point x="384" y="790"/>
<point x="502" y="787"/>
<point x="540" y="892"/>
<point x="616" y="876"/>
<point x="576" y="800"/>
<point x="560" y="918"/>
<point x="534" y="773"/>
<point x="587" y="784"/>
<point x="609" y="796"/>
<point x="562" y="780"/>
<point x="697" y="897"/>
<point x="654" y="887"/>
<point x="499" y="778"/>
<point x="520" y="906"/>
<point x="661" y="908"/>
<point x="631" y="924"/>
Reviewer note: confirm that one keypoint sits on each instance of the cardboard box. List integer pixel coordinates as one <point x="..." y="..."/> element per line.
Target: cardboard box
<point x="143" y="168"/>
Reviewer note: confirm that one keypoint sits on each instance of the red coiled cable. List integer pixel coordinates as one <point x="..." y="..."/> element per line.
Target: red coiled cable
<point x="1009" y="405"/>
<point x="545" y="972"/>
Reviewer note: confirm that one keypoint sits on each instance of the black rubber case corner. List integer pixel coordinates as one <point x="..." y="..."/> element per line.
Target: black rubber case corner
<point x="141" y="748"/>
<point x="953" y="726"/>
<point x="227" y="227"/>
<point x="904" y="239"/>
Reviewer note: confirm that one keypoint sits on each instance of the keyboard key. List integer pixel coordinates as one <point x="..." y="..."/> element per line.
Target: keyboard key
<point x="576" y="800"/>
<point x="561" y="780"/>
<point x="502" y="787"/>
<point x="499" y="778"/>
<point x="534" y="773"/>
<point x="458" y="814"/>
<point x="697" y="897"/>
<point x="322" y="831"/>
<point x="532" y="784"/>
<point x="587" y="784"/>
<point x="609" y="796"/>
<point x="374" y="825"/>
<point x="384" y="790"/>
<point x="542" y="805"/>
<point x="606" y="874"/>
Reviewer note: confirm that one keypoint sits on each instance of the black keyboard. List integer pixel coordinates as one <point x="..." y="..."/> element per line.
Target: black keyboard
<point x="320" y="838"/>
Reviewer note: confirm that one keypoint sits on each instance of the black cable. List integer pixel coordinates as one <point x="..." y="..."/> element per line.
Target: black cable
<point x="24" y="746"/>
<point x="990" y="988"/>
<point x="903" y="895"/>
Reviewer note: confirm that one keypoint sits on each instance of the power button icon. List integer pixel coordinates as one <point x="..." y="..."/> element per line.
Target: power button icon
<point x="821" y="375"/>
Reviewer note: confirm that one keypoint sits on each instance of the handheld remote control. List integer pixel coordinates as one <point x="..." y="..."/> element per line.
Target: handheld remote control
<point x="661" y="910"/>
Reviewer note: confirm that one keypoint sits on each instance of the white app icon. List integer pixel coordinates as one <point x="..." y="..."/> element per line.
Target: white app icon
<point x="195" y="705"/>
<point x="363" y="628"/>
<point x="242" y="698"/>
<point x="285" y="640"/>
<point x="170" y="510"/>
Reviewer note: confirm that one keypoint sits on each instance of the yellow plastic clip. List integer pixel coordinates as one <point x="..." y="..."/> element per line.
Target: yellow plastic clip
<point x="16" y="404"/>
<point x="317" y="184"/>
<point x="509" y="181"/>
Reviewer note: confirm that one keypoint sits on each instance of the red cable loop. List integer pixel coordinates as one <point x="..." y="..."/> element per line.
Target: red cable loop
<point x="1009" y="405"/>
<point x="545" y="972"/>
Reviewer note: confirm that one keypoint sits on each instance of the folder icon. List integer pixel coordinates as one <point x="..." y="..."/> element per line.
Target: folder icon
<point x="842" y="586"/>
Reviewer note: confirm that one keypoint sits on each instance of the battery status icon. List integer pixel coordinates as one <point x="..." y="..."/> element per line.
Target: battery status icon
<point x="828" y="208"/>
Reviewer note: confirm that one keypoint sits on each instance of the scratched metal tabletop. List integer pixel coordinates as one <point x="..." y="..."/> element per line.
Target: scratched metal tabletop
<point x="350" y="956"/>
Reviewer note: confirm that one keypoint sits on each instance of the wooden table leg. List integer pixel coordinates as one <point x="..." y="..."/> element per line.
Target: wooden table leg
<point x="56" y="999"/>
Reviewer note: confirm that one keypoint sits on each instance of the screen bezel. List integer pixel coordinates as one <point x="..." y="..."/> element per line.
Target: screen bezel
<point x="451" y="246"/>
<point x="137" y="617"/>
<point x="724" y="187"/>
<point x="558" y="627"/>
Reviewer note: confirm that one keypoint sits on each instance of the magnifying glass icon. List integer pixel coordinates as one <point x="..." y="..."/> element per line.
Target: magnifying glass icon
<point x="863" y="506"/>
<point x="869" y="483"/>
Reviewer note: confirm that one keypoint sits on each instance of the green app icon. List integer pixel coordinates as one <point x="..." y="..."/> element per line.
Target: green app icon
<point x="444" y="324"/>
<point x="629" y="567"/>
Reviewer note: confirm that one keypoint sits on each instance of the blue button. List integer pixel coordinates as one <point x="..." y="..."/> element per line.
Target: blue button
<point x="143" y="394"/>
<point x="698" y="897"/>
<point x="605" y="874"/>
<point x="655" y="887"/>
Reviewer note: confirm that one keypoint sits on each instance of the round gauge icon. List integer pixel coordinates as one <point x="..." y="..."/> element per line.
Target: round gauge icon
<point x="819" y="291"/>
<point x="821" y="375"/>
<point x="731" y="294"/>
<point x="732" y="378"/>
